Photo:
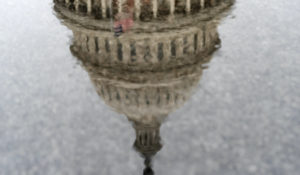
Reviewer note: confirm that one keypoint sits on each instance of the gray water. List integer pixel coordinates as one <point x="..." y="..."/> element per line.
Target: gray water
<point x="243" y="117"/>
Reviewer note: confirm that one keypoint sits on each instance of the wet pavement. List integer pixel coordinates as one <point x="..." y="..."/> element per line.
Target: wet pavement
<point x="150" y="88"/>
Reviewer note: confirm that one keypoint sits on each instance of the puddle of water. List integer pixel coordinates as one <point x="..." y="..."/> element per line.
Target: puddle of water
<point x="228" y="87"/>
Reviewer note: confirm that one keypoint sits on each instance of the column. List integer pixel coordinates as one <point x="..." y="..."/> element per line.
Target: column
<point x="89" y="6"/>
<point x="167" y="48"/>
<point x="91" y="44"/>
<point x="154" y="8"/>
<point x="202" y="4"/>
<point x="137" y="5"/>
<point x="102" y="50"/>
<point x="83" y="43"/>
<point x="172" y="6"/>
<point x="103" y="7"/>
<point x="190" y="43"/>
<point x="76" y="5"/>
<point x="126" y="51"/>
<point x="120" y="4"/>
<point x="188" y="6"/>
<point x="179" y="46"/>
<point x="114" y="49"/>
<point x="139" y="51"/>
<point x="153" y="49"/>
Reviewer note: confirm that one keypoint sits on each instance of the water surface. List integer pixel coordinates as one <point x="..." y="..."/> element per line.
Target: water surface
<point x="240" y="114"/>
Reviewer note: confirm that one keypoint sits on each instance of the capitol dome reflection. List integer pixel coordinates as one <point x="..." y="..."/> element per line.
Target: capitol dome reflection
<point x="144" y="57"/>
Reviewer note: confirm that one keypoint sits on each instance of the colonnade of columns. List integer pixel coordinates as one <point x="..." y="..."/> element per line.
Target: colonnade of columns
<point x="157" y="99"/>
<point x="147" y="137"/>
<point x="104" y="6"/>
<point x="151" y="98"/>
<point x="145" y="49"/>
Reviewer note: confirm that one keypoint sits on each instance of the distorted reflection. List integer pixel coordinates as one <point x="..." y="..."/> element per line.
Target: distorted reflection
<point x="144" y="57"/>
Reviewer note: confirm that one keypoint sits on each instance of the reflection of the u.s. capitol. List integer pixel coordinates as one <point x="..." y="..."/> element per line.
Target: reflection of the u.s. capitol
<point x="144" y="57"/>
